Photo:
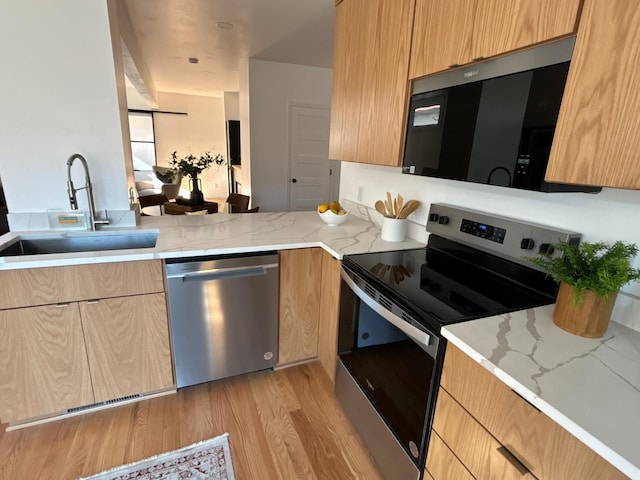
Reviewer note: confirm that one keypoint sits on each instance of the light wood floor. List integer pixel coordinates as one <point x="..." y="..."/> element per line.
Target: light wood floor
<point x="285" y="425"/>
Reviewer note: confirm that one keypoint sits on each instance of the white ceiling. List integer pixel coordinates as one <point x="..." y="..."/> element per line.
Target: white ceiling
<point x="171" y="31"/>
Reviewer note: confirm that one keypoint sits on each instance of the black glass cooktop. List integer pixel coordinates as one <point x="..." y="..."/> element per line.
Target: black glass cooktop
<point x="451" y="282"/>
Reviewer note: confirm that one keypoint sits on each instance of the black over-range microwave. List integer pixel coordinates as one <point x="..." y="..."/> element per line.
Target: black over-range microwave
<point x="492" y="122"/>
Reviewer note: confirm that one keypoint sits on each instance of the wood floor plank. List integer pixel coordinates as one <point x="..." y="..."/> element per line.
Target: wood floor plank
<point x="286" y="447"/>
<point x="85" y="437"/>
<point x="11" y="467"/>
<point x="195" y="414"/>
<point x="249" y="446"/>
<point x="315" y="391"/>
<point x="171" y="422"/>
<point x="57" y="457"/>
<point x="322" y="451"/>
<point x="282" y="425"/>
<point x="145" y="431"/>
<point x="289" y="397"/>
<point x="114" y="440"/>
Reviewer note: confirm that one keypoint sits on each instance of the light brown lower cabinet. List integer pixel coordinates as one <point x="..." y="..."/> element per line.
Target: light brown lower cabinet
<point x="127" y="343"/>
<point x="300" y="279"/>
<point x="494" y="433"/>
<point x="442" y="463"/>
<point x="309" y="307"/>
<point x="43" y="362"/>
<point x="329" y="311"/>
<point x="60" y="349"/>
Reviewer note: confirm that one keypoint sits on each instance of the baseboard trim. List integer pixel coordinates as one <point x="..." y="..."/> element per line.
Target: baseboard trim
<point x="54" y="418"/>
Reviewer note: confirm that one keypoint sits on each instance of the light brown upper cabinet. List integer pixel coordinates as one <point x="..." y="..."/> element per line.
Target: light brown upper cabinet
<point x="442" y="35"/>
<point x="448" y="33"/>
<point x="596" y="140"/>
<point x="370" y="87"/>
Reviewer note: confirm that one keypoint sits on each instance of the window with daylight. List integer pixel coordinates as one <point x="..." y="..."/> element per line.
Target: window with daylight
<point x="143" y="147"/>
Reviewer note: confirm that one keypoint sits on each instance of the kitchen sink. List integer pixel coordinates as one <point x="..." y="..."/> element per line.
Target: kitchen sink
<point x="78" y="242"/>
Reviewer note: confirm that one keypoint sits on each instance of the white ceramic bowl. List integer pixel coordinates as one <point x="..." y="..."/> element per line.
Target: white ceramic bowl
<point x="331" y="218"/>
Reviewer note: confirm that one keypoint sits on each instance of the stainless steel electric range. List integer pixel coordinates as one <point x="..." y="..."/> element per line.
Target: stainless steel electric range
<point x="394" y="304"/>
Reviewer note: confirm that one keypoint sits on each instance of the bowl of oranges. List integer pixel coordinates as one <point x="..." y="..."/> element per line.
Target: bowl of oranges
<point x="332" y="213"/>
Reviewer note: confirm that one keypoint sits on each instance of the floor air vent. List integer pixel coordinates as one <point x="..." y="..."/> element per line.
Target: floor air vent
<point x="102" y="404"/>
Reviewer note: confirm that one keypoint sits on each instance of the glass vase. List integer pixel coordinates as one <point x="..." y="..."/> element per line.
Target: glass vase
<point x="196" y="197"/>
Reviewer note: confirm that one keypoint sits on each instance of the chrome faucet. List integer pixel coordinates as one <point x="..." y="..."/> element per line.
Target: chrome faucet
<point x="71" y="190"/>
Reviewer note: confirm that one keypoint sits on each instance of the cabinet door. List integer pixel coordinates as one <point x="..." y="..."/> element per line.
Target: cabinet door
<point x="349" y="61"/>
<point x="386" y="84"/>
<point x="370" y="87"/>
<point x="442" y="34"/>
<point x="300" y="277"/>
<point x="501" y="27"/>
<point x="43" y="362"/>
<point x="128" y="345"/>
<point x="596" y="140"/>
<point x="329" y="311"/>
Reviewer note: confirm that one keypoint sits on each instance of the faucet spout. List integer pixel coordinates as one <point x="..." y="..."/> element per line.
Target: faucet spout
<point x="72" y="191"/>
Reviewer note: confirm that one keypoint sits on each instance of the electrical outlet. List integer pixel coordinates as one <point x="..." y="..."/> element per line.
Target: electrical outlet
<point x="360" y="192"/>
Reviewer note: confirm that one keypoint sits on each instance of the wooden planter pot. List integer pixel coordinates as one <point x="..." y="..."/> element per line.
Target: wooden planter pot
<point x="589" y="318"/>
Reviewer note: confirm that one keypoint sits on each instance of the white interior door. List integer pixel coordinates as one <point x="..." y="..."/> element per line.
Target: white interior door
<point x="311" y="176"/>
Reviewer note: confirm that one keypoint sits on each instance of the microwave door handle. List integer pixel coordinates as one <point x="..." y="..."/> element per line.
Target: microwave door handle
<point x="414" y="333"/>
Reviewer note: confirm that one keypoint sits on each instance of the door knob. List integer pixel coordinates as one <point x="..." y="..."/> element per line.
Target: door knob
<point x="293" y="180"/>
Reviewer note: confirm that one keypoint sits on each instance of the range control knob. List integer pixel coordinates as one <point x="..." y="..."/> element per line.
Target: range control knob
<point x="546" y="248"/>
<point x="443" y="220"/>
<point x="433" y="217"/>
<point x="527" y="244"/>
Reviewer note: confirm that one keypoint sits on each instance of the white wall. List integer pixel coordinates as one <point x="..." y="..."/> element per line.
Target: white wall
<point x="610" y="215"/>
<point x="201" y="130"/>
<point x="231" y="105"/>
<point x="54" y="104"/>
<point x="272" y="86"/>
<point x="242" y="174"/>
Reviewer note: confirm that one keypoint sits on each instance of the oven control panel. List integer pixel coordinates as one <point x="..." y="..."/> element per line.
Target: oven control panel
<point x="506" y="237"/>
<point x="483" y="230"/>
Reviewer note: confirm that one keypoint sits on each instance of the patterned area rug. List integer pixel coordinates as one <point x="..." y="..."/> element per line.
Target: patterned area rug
<point x="210" y="460"/>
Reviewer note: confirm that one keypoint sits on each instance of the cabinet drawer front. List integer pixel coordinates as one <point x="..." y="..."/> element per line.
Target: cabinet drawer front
<point x="548" y="450"/>
<point x="442" y="464"/>
<point x="43" y="286"/>
<point x="482" y="454"/>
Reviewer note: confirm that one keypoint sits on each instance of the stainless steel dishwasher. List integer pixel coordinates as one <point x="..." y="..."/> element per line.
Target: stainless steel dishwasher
<point x="224" y="315"/>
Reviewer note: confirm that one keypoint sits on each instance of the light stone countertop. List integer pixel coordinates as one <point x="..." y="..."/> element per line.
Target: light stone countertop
<point x="216" y="234"/>
<point x="591" y="387"/>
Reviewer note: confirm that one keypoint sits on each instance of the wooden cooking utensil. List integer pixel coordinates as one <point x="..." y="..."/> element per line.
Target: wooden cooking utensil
<point x="409" y="208"/>
<point x="399" y="205"/>
<point x="380" y="208"/>
<point x="389" y="209"/>
<point x="390" y="206"/>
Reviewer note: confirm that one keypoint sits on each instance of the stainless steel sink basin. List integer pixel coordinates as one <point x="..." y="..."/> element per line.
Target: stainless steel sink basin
<point x="79" y="242"/>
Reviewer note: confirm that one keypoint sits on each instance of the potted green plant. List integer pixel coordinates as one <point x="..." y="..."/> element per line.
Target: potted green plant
<point x="192" y="166"/>
<point x="590" y="276"/>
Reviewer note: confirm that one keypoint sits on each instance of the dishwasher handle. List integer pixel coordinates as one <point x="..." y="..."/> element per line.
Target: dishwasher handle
<point x="224" y="273"/>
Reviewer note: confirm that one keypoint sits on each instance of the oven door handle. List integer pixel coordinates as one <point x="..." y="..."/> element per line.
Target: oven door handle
<point x="414" y="333"/>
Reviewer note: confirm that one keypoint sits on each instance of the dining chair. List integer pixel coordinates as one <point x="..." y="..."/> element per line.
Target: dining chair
<point x="253" y="210"/>
<point x="152" y="200"/>
<point x="239" y="203"/>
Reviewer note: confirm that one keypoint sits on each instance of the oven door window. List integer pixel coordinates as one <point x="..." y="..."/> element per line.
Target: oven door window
<point x="393" y="372"/>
